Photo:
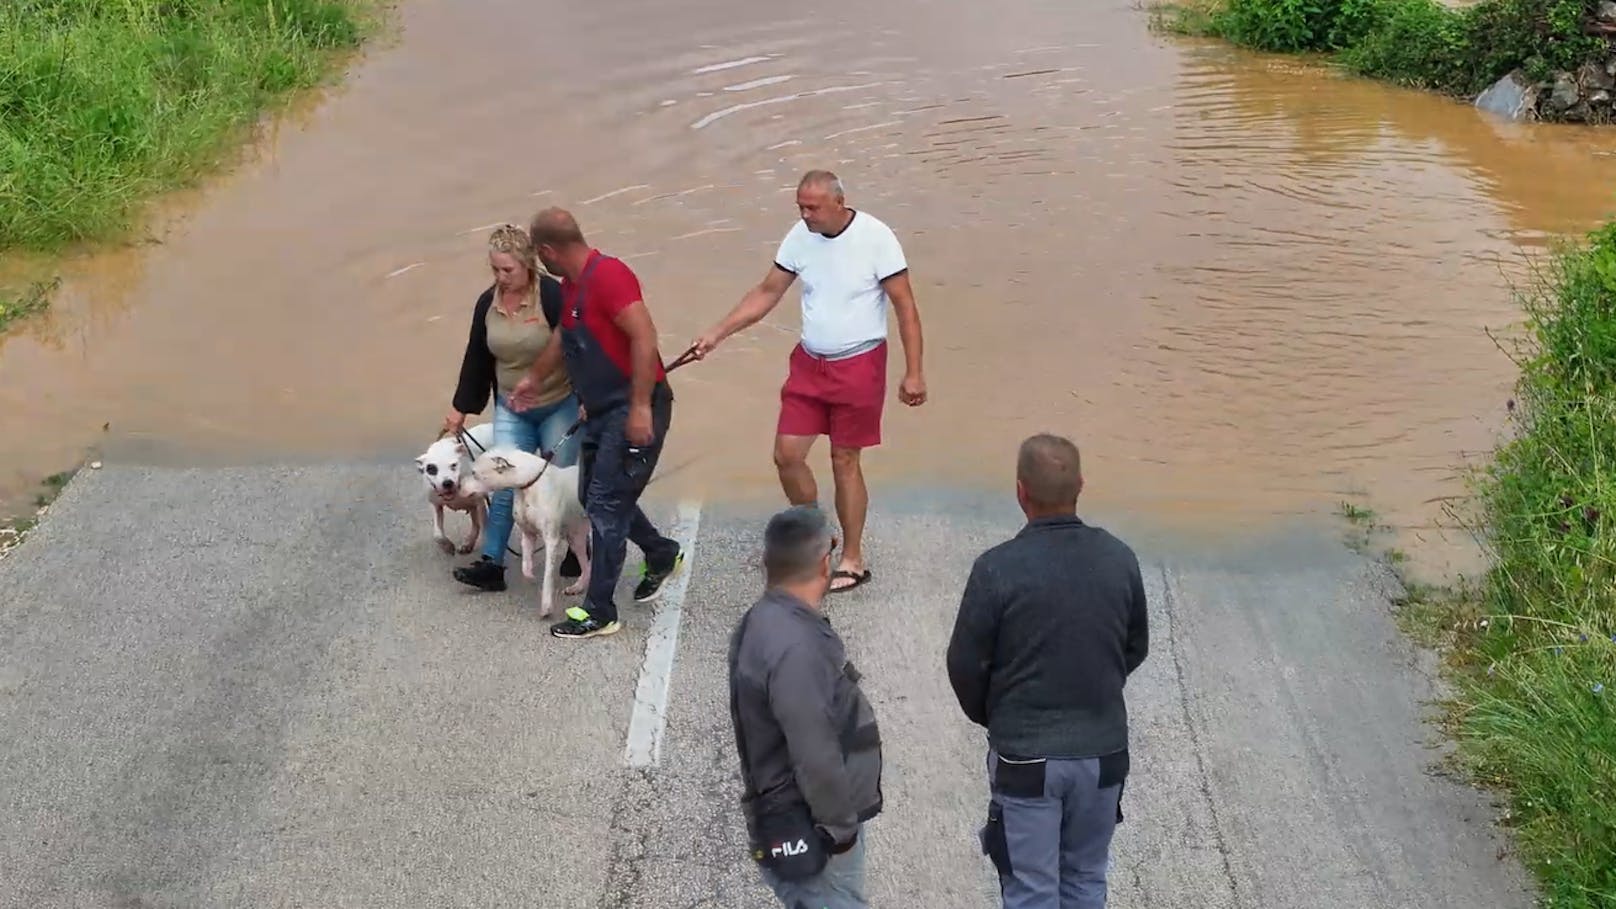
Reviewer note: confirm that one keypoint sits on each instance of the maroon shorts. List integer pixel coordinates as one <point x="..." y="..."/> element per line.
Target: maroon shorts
<point x="838" y="398"/>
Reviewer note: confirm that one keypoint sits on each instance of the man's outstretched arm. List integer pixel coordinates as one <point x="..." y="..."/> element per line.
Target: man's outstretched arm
<point x="755" y="304"/>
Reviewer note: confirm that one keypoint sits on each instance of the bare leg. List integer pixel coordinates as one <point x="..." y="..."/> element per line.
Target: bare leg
<point x="852" y="504"/>
<point x="796" y="477"/>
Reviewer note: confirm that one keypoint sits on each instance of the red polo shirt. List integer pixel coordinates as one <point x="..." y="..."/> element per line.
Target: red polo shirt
<point x="610" y="289"/>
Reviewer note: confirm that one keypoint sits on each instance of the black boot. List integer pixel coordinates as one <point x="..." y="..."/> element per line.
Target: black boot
<point x="483" y="574"/>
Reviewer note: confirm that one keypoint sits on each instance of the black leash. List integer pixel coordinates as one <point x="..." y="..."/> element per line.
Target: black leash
<point x="684" y="358"/>
<point x="465" y="437"/>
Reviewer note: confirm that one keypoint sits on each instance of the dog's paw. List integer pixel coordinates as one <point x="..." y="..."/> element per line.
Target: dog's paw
<point x="575" y="589"/>
<point x="447" y="545"/>
<point x="467" y="546"/>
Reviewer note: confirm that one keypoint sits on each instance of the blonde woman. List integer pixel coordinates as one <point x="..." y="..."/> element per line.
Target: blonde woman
<point x="510" y="325"/>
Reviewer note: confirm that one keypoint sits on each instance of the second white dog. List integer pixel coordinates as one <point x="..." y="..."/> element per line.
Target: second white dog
<point x="546" y="508"/>
<point x="445" y="467"/>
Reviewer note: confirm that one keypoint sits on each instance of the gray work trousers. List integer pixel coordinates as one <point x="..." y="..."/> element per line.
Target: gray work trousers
<point x="1049" y="828"/>
<point x="839" y="886"/>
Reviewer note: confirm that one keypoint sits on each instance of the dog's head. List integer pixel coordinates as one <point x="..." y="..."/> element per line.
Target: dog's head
<point x="443" y="466"/>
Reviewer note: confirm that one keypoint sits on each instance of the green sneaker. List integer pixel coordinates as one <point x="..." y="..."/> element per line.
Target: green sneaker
<point x="650" y="586"/>
<point x="580" y="625"/>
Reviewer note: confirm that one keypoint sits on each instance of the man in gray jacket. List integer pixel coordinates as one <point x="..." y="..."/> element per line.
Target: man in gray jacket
<point x="809" y="747"/>
<point x="1051" y="624"/>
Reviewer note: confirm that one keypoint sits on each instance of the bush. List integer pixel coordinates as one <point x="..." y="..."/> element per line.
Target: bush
<point x="1277" y="25"/>
<point x="1355" y="19"/>
<point x="1417" y="43"/>
<point x="1541" y="36"/>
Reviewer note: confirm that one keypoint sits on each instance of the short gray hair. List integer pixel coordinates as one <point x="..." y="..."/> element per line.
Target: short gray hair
<point x="1050" y="470"/>
<point x="825" y="180"/>
<point x="794" y="542"/>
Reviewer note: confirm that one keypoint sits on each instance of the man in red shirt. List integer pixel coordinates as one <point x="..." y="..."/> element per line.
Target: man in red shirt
<point x="608" y="345"/>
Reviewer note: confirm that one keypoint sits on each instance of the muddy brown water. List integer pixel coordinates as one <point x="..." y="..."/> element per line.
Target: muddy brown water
<point x="1250" y="288"/>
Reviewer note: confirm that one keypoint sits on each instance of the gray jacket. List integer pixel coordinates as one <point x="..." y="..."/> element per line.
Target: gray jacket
<point x="804" y="731"/>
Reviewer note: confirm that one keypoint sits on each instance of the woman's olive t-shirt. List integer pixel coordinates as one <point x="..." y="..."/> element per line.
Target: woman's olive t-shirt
<point x="516" y="339"/>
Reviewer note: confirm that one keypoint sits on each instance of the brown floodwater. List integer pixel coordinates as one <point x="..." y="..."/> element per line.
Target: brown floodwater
<point x="1250" y="288"/>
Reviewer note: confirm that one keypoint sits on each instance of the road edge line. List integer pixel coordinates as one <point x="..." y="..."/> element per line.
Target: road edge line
<point x="650" y="715"/>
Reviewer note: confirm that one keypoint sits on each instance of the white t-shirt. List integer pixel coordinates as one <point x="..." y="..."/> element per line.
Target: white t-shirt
<point x="844" y="306"/>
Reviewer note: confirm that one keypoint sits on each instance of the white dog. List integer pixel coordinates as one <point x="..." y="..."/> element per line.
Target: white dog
<point x="546" y="508"/>
<point x="445" y="467"/>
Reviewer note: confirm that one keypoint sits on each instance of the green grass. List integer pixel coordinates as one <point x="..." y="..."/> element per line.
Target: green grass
<point x="1541" y="694"/>
<point x="105" y="103"/>
<point x="1531" y="644"/>
<point x="1416" y="43"/>
<point x="1362" y="525"/>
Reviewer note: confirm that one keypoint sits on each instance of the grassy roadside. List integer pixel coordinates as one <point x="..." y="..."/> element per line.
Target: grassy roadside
<point x="1414" y="43"/>
<point x="104" y="105"/>
<point x="1530" y="646"/>
<point x="14" y="530"/>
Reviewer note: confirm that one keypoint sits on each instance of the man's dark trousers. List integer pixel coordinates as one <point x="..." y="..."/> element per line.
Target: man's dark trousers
<point x="1049" y="828"/>
<point x="612" y="474"/>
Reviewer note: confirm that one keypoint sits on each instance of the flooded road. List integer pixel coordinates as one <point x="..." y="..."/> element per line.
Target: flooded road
<point x="1248" y="288"/>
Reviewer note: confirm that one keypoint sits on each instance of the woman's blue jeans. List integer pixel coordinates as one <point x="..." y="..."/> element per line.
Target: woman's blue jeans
<point x="534" y="431"/>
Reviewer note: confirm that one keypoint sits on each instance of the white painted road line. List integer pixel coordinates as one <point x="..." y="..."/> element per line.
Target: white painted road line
<point x="644" y="748"/>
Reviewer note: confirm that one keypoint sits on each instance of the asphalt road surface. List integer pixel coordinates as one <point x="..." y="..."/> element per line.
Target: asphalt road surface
<point x="262" y="688"/>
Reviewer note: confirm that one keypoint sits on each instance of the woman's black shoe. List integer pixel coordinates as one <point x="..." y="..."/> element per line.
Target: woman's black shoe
<point x="483" y="574"/>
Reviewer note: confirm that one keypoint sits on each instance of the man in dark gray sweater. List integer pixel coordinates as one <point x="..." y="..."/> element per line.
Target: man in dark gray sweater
<point x="1051" y="624"/>
<point x="809" y="746"/>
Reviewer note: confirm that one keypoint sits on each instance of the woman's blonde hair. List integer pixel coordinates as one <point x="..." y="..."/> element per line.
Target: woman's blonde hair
<point x="514" y="241"/>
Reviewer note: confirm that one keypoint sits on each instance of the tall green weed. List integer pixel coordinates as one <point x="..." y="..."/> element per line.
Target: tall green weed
<point x="1537" y="706"/>
<point x="1291" y="26"/>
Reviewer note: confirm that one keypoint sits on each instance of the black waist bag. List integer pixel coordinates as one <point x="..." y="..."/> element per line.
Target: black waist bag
<point x="789" y="845"/>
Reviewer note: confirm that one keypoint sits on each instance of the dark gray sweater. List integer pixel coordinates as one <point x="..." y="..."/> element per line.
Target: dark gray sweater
<point x="1051" y="624"/>
<point x="805" y="732"/>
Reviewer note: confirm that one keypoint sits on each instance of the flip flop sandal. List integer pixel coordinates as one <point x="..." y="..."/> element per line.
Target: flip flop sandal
<point x="857" y="579"/>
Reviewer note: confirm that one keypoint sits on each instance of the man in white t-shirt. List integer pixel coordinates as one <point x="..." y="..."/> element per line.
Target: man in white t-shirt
<point x="852" y="266"/>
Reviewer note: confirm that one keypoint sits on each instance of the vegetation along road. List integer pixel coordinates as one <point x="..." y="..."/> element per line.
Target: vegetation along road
<point x="1265" y="261"/>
